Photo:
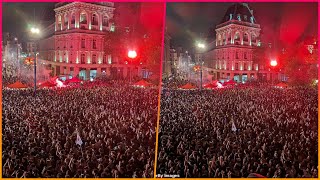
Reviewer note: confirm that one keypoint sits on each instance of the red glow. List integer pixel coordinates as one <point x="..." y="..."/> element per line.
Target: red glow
<point x="273" y="63"/>
<point x="132" y="54"/>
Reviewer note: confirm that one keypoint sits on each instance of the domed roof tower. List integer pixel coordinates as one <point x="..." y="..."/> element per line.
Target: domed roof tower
<point x="240" y="12"/>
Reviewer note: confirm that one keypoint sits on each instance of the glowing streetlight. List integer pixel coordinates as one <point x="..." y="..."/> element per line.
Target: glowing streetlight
<point x="131" y="54"/>
<point x="273" y="63"/>
<point x="35" y="31"/>
<point x="201" y="46"/>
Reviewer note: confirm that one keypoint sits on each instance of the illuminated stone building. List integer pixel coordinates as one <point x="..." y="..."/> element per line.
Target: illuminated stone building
<point x="236" y="37"/>
<point x="77" y="46"/>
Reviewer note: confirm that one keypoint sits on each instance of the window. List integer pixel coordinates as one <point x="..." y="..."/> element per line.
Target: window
<point x="73" y="19"/>
<point x="66" y="20"/>
<point x="94" y="19"/>
<point x="83" y="43"/>
<point x="83" y="56"/>
<point x="237" y="55"/>
<point x="94" y="44"/>
<point x="105" y="21"/>
<point x="239" y="17"/>
<point x="244" y="66"/>
<point x="83" y="18"/>
<point x="245" y="55"/>
<point x="237" y="66"/>
<point x="94" y="59"/>
<point x="104" y="59"/>
<point x="59" y="23"/>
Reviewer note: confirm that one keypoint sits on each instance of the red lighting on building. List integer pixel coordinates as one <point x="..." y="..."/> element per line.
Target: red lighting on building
<point x="273" y="63"/>
<point x="132" y="54"/>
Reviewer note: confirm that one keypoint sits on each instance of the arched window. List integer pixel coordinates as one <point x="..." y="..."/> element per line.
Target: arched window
<point x="73" y="19"/>
<point x="83" y="43"/>
<point x="59" y="23"/>
<point x="83" y="18"/>
<point x="239" y="17"/>
<point x="66" y="18"/>
<point x="83" y="60"/>
<point x="94" y="19"/>
<point x="245" y="37"/>
<point x="245" y="55"/>
<point x="253" y="38"/>
<point x="105" y="21"/>
<point x="94" y="44"/>
<point x="237" y="38"/>
<point x="94" y="59"/>
<point x="237" y="55"/>
<point x="104" y="59"/>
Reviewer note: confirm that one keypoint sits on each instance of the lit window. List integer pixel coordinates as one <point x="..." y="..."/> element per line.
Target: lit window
<point x="83" y="56"/>
<point x="94" y="59"/>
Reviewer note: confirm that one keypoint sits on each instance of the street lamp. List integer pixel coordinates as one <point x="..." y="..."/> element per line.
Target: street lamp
<point x="273" y="63"/>
<point x="132" y="54"/>
<point x="201" y="46"/>
<point x="35" y="31"/>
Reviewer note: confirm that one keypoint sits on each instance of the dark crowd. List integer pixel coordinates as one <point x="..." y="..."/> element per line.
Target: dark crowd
<point x="117" y="127"/>
<point x="235" y="132"/>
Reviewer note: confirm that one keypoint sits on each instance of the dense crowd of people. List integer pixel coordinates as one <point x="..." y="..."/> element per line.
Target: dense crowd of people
<point x="236" y="132"/>
<point x="88" y="131"/>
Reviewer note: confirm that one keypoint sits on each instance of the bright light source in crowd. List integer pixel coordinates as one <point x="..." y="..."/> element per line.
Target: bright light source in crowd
<point x="140" y="62"/>
<point x="132" y="54"/>
<point x="273" y="63"/>
<point x="126" y="62"/>
<point x="35" y="30"/>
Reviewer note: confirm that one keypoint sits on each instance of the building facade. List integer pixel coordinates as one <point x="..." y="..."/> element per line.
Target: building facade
<point x="77" y="46"/>
<point x="236" y="37"/>
<point x="11" y="54"/>
<point x="167" y="60"/>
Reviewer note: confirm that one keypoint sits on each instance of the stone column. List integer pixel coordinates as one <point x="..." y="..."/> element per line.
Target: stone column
<point x="56" y="23"/>
<point x="241" y="37"/>
<point x="139" y="72"/>
<point x="54" y="70"/>
<point x="98" y="72"/>
<point x="100" y="17"/>
<point x="231" y="75"/>
<point x="125" y="72"/>
<point x="108" y="71"/>
<point x="268" y="76"/>
<point x="75" y="71"/>
<point x="61" y="70"/>
<point x="77" y="19"/>
<point x="87" y="73"/>
<point x="89" y="19"/>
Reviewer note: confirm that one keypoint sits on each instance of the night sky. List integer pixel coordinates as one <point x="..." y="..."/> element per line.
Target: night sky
<point x="280" y="22"/>
<point x="17" y="16"/>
